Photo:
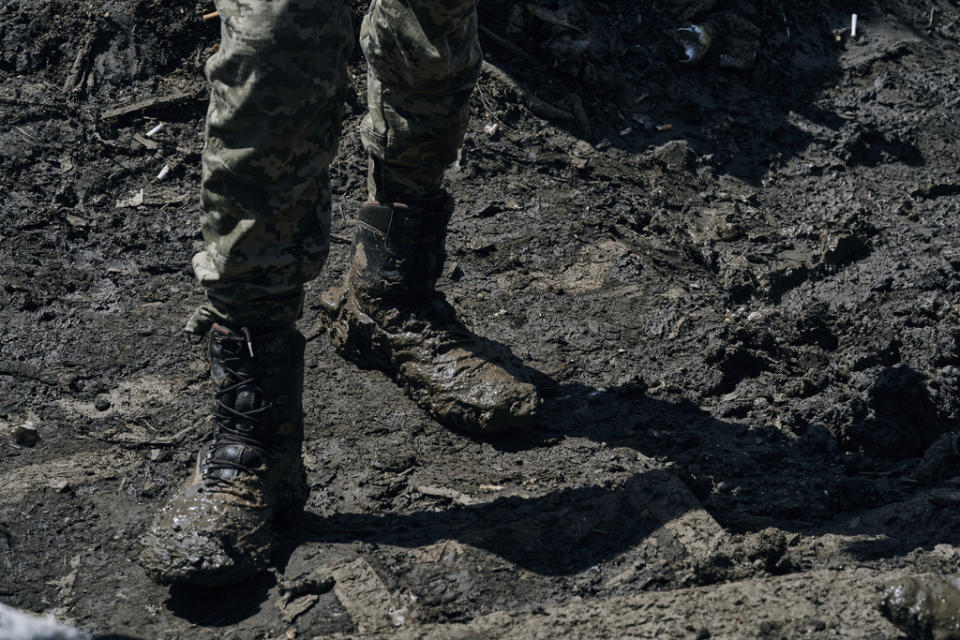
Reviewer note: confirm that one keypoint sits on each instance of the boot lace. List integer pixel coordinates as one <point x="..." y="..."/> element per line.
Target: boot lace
<point x="227" y="418"/>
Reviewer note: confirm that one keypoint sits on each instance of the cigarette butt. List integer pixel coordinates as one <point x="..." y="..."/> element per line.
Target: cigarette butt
<point x="163" y="172"/>
<point x="155" y="130"/>
<point x="664" y="127"/>
<point x="211" y="16"/>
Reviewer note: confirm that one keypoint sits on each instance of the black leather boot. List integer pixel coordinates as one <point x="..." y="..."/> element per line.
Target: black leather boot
<point x="388" y="315"/>
<point x="218" y="528"/>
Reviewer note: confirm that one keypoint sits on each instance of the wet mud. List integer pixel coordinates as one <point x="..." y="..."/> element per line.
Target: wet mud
<point x="736" y="283"/>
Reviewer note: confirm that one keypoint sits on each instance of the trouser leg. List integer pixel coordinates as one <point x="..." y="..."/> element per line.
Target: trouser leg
<point x="423" y="61"/>
<point x="276" y="105"/>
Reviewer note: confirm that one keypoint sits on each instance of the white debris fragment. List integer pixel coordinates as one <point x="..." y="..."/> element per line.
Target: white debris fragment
<point x="490" y="128"/>
<point x="155" y="130"/>
<point x="17" y="625"/>
<point x="134" y="200"/>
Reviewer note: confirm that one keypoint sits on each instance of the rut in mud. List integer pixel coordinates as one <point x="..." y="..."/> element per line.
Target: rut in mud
<point x="737" y="281"/>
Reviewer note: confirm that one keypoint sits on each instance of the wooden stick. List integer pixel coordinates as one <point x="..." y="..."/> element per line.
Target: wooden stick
<point x="535" y="104"/>
<point x="509" y="46"/>
<point x="161" y="101"/>
<point x="211" y="16"/>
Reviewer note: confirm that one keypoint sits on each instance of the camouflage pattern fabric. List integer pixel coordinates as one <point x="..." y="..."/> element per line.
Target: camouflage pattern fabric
<point x="423" y="61"/>
<point x="276" y="106"/>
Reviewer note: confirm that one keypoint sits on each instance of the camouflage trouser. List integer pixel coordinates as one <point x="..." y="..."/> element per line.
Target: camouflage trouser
<point x="277" y="93"/>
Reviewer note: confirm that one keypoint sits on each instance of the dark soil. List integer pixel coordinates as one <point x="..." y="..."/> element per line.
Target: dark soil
<point x="739" y="285"/>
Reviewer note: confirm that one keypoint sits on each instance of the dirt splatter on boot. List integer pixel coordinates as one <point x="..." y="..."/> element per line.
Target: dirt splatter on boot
<point x="926" y="606"/>
<point x="218" y="528"/>
<point x="389" y="316"/>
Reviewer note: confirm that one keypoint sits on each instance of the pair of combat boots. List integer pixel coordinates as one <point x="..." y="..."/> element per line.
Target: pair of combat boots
<point x="219" y="528"/>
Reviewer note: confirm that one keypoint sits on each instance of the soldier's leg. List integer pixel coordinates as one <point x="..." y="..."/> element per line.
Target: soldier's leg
<point x="276" y="105"/>
<point x="277" y="90"/>
<point x="423" y="59"/>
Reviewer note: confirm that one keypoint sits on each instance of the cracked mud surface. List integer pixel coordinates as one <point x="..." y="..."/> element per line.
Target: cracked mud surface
<point x="746" y="325"/>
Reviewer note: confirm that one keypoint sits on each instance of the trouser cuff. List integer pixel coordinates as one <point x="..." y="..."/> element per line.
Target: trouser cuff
<point x="389" y="182"/>
<point x="275" y="312"/>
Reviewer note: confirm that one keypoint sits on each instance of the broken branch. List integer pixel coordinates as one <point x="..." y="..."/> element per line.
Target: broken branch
<point x="535" y="104"/>
<point x="509" y="46"/>
<point x="160" y="101"/>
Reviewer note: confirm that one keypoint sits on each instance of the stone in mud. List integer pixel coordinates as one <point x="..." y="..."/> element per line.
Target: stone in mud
<point x="840" y="249"/>
<point x="25" y="435"/>
<point x="675" y="155"/>
<point x="927" y="606"/>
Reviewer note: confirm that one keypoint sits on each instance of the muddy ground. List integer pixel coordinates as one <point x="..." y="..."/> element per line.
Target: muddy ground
<point x="737" y="278"/>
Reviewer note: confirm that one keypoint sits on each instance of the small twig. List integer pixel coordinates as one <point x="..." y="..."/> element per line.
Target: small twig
<point x="450" y="494"/>
<point x="166" y="441"/>
<point x="146" y="142"/>
<point x="211" y="16"/>
<point x="19" y="370"/>
<point x="947" y="499"/>
<point x="26" y="135"/>
<point x="488" y="108"/>
<point x="551" y="18"/>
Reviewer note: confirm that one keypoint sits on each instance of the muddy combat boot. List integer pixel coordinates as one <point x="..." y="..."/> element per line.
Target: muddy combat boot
<point x="218" y="528"/>
<point x="925" y="606"/>
<point x="389" y="316"/>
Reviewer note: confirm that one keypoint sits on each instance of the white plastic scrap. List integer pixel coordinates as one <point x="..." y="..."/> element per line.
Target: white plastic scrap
<point x="135" y="200"/>
<point x="17" y="625"/>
